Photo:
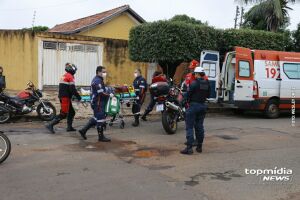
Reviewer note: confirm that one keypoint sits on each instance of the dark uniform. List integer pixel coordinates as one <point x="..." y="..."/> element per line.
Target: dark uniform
<point x="99" y="98"/>
<point x="66" y="91"/>
<point x="2" y="82"/>
<point x="155" y="79"/>
<point x="195" y="114"/>
<point x="140" y="87"/>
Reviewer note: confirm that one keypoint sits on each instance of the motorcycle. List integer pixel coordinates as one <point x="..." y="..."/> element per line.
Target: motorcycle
<point x="25" y="102"/>
<point x="170" y="103"/>
<point x="5" y="147"/>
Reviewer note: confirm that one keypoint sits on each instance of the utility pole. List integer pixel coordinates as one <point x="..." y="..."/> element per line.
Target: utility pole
<point x="242" y="15"/>
<point x="237" y="13"/>
<point x="33" y="19"/>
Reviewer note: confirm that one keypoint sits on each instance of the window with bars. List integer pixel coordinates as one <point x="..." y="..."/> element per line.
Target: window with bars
<point x="50" y="45"/>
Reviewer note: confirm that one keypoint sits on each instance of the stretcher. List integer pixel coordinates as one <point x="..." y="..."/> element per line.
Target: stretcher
<point x="123" y="96"/>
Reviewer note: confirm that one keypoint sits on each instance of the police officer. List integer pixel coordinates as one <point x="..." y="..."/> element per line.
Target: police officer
<point x="66" y="91"/>
<point x="99" y="98"/>
<point x="195" y="114"/>
<point x="158" y="76"/>
<point x="140" y="87"/>
<point x="2" y="80"/>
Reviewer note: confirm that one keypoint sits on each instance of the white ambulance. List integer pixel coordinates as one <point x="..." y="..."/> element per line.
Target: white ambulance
<point x="263" y="80"/>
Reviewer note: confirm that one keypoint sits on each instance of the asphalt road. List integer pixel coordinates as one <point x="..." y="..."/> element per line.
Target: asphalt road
<point x="144" y="162"/>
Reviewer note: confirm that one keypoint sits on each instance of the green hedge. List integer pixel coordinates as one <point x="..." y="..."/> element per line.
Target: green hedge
<point x="166" y="41"/>
<point x="253" y="39"/>
<point x="170" y="41"/>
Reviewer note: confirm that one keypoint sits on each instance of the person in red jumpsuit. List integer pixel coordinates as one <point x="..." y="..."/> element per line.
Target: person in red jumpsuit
<point x="190" y="77"/>
<point x="66" y="91"/>
<point x="157" y="77"/>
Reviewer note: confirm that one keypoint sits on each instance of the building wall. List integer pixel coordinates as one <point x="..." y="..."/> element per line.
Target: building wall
<point x="120" y="68"/>
<point x="117" y="28"/>
<point x="19" y="58"/>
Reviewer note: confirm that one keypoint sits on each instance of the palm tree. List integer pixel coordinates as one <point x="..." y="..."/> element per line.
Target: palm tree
<point x="274" y="12"/>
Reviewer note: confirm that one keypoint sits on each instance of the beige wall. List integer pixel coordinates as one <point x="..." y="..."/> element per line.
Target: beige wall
<point x="19" y="58"/>
<point x="117" y="28"/>
<point x="120" y="68"/>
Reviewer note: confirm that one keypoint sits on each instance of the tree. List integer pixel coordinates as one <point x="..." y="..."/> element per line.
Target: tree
<point x="296" y="36"/>
<point x="187" y="19"/>
<point x="274" y="12"/>
<point x="37" y="29"/>
<point x="258" y="17"/>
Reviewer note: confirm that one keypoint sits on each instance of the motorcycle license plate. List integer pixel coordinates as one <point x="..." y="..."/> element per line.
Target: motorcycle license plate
<point x="160" y="107"/>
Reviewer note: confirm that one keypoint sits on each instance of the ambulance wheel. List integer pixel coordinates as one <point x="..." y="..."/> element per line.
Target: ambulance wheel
<point x="272" y="109"/>
<point x="122" y="125"/>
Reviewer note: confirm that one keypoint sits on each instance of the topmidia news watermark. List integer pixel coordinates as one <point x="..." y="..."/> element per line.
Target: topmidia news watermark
<point x="277" y="175"/>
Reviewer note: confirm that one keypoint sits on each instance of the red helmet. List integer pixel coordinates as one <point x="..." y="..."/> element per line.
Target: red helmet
<point x="194" y="64"/>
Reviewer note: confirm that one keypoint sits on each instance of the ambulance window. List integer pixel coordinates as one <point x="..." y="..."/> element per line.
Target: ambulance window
<point x="210" y="69"/>
<point x="292" y="70"/>
<point x="244" y="69"/>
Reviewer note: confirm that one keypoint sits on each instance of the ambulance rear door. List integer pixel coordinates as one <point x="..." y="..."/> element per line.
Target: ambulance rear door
<point x="243" y="88"/>
<point x="209" y="60"/>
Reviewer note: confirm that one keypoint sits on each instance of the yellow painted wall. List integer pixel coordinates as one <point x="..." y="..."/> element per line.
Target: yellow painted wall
<point x="119" y="67"/>
<point x="19" y="58"/>
<point x="117" y="28"/>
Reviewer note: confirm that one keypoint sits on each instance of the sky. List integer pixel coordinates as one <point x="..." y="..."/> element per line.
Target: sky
<point x="15" y="14"/>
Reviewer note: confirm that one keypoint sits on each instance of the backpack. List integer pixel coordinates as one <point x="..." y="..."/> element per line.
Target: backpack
<point x="112" y="107"/>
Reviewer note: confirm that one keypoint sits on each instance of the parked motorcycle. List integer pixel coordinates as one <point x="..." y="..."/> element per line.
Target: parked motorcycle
<point x="170" y="103"/>
<point x="5" y="147"/>
<point x="25" y="102"/>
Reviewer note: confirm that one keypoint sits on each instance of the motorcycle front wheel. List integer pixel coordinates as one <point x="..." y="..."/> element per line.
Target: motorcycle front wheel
<point x="5" y="147"/>
<point x="169" y="121"/>
<point x="47" y="112"/>
<point x="4" y="115"/>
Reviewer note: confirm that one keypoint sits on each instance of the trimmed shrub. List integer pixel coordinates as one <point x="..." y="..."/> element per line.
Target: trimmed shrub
<point x="170" y="42"/>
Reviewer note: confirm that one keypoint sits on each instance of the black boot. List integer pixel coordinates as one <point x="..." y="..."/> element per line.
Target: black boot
<point x="136" y="121"/>
<point x="51" y="125"/>
<point x="89" y="125"/>
<point x="194" y="144"/>
<point x="101" y="136"/>
<point x="199" y="148"/>
<point x="144" y="117"/>
<point x="70" y="127"/>
<point x="188" y="150"/>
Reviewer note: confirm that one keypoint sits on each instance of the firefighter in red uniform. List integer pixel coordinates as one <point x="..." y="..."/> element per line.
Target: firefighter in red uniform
<point x="190" y="77"/>
<point x="67" y="90"/>
<point x="157" y="77"/>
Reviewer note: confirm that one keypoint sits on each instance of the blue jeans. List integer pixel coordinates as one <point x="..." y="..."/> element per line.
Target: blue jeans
<point x="195" y="115"/>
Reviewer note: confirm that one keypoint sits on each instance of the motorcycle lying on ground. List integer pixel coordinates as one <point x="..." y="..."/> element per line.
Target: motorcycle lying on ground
<point x="24" y="103"/>
<point x="5" y="147"/>
<point x="170" y="102"/>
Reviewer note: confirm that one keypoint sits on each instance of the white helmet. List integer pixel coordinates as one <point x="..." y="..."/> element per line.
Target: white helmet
<point x="199" y="70"/>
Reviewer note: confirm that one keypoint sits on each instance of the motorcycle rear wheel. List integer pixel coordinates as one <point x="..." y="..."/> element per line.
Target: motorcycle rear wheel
<point x="169" y="122"/>
<point x="4" y="115"/>
<point x="5" y="147"/>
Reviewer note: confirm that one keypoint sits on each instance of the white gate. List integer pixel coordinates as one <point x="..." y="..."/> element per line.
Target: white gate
<point x="56" y="54"/>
